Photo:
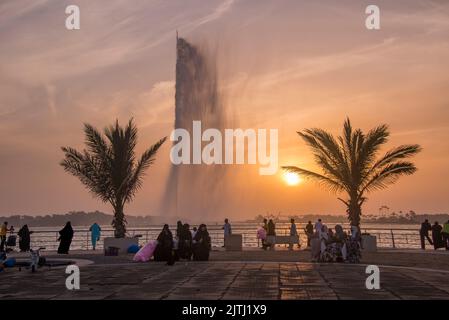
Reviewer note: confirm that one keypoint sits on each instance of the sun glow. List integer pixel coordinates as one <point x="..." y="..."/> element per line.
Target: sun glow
<point x="292" y="179"/>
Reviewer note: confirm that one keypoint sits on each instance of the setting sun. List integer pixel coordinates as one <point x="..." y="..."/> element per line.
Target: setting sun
<point x="291" y="178"/>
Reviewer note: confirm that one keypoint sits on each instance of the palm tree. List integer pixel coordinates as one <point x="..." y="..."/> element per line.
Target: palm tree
<point x="108" y="168"/>
<point x="350" y="164"/>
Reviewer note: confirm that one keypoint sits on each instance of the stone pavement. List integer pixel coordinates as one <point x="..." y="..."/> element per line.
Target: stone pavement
<point x="225" y="280"/>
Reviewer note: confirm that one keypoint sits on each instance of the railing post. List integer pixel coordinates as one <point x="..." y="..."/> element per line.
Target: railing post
<point x="392" y="239"/>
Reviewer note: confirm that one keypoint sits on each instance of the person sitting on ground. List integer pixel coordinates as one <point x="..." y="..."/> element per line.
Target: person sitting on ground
<point x="424" y="233"/>
<point x="202" y="244"/>
<point x="24" y="238"/>
<point x="436" y="236"/>
<point x="185" y="243"/>
<point x="164" y="248"/>
<point x="445" y="234"/>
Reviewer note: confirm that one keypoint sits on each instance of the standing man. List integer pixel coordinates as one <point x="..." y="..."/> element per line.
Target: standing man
<point x="309" y="232"/>
<point x="445" y="234"/>
<point x="318" y="226"/>
<point x="436" y="235"/>
<point x="424" y="233"/>
<point x="3" y="231"/>
<point x="264" y="241"/>
<point x="293" y="233"/>
<point x="95" y="234"/>
<point x="227" y="229"/>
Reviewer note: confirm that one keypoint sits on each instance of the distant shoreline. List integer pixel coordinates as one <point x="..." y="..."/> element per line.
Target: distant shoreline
<point x="88" y="218"/>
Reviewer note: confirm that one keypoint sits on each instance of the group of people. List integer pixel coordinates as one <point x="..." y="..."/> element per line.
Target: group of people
<point x="270" y="231"/>
<point x="65" y="237"/>
<point x="24" y="237"/>
<point x="334" y="245"/>
<point x="326" y="244"/>
<point x="186" y="244"/>
<point x="440" y="234"/>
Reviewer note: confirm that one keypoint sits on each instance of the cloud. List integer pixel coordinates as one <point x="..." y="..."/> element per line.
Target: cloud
<point x="316" y="65"/>
<point x="218" y="12"/>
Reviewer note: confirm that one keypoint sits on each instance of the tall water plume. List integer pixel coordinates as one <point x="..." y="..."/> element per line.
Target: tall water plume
<point x="196" y="190"/>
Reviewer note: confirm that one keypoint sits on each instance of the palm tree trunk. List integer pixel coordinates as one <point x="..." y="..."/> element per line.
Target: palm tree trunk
<point x="119" y="221"/>
<point x="354" y="211"/>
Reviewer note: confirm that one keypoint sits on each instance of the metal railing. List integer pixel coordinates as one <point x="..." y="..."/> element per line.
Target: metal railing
<point x="386" y="237"/>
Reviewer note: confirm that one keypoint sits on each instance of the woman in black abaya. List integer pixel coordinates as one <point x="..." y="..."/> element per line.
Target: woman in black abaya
<point x="65" y="238"/>
<point x="164" y="248"/>
<point x="202" y="244"/>
<point x="185" y="243"/>
<point x="24" y="239"/>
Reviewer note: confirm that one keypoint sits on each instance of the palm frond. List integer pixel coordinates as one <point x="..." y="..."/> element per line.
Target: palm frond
<point x="401" y="152"/>
<point x="327" y="150"/>
<point x="145" y="161"/>
<point x="95" y="142"/>
<point x="373" y="141"/>
<point x="388" y="175"/>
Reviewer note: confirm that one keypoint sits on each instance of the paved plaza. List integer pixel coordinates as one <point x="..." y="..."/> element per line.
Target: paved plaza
<point x="119" y="278"/>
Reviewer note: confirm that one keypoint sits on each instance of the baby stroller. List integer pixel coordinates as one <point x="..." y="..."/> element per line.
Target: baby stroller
<point x="36" y="260"/>
<point x="10" y="242"/>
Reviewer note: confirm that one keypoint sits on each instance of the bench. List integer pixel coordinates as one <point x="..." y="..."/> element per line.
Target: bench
<point x="233" y="242"/>
<point x="290" y="240"/>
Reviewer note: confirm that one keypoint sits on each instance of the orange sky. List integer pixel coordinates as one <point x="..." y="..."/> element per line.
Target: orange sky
<point x="286" y="64"/>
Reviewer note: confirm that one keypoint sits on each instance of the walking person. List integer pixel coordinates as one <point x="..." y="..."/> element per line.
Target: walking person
<point x="95" y="234"/>
<point x="309" y="232"/>
<point x="445" y="234"/>
<point x="65" y="238"/>
<point x="424" y="233"/>
<point x="227" y="230"/>
<point x="293" y="233"/>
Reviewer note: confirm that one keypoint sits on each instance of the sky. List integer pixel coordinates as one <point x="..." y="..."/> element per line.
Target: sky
<point x="284" y="64"/>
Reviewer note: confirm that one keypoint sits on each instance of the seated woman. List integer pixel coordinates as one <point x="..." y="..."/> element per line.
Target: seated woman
<point x="353" y="245"/>
<point x="339" y="239"/>
<point x="185" y="243"/>
<point x="164" y="248"/>
<point x="202" y="244"/>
